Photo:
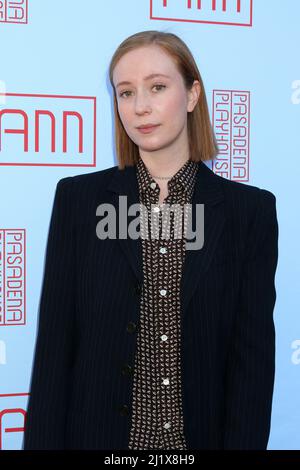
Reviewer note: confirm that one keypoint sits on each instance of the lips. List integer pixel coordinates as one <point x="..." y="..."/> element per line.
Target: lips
<point x="147" y="126"/>
<point x="148" y="129"/>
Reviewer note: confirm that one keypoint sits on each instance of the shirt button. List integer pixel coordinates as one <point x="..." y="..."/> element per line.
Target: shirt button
<point x="124" y="410"/>
<point x="166" y="382"/>
<point x="164" y="337"/>
<point x="163" y="250"/>
<point x="167" y="425"/>
<point x="162" y="292"/>
<point x="131" y="327"/>
<point x="153" y="185"/>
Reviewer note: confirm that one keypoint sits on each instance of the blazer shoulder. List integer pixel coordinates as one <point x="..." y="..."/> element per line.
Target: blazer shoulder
<point x="79" y="192"/>
<point x="247" y="202"/>
<point x="246" y="191"/>
<point x="87" y="183"/>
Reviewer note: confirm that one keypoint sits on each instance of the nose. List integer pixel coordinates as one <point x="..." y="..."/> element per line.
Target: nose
<point x="142" y="103"/>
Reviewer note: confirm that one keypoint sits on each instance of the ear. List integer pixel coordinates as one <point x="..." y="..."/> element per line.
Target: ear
<point x="193" y="95"/>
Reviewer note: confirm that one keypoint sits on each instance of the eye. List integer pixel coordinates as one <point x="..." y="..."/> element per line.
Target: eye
<point x="127" y="91"/>
<point x="121" y="94"/>
<point x="163" y="86"/>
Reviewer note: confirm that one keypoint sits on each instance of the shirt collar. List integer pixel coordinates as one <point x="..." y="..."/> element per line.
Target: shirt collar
<point x="183" y="180"/>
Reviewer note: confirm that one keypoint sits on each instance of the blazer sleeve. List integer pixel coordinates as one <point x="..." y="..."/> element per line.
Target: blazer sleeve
<point x="251" y="361"/>
<point x="54" y="349"/>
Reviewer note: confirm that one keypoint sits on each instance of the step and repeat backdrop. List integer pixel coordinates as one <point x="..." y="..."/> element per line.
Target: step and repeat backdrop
<point x="56" y="120"/>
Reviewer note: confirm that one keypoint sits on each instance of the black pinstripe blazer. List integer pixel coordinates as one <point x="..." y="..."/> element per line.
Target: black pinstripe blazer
<point x="89" y="317"/>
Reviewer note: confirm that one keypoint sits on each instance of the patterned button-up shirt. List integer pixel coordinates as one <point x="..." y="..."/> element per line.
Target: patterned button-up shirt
<point x="157" y="416"/>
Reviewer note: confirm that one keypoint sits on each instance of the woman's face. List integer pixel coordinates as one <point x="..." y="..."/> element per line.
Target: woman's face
<point x="161" y="100"/>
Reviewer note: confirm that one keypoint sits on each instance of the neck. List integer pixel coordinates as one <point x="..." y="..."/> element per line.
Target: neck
<point x="163" y="168"/>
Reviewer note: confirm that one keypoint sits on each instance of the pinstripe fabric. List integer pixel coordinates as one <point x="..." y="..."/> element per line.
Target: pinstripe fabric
<point x="157" y="421"/>
<point x="89" y="319"/>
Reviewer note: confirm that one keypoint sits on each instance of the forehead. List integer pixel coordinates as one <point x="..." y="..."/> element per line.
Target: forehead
<point x="141" y="63"/>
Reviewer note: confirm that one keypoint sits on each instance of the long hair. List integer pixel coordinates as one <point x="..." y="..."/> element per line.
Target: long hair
<point x="202" y="141"/>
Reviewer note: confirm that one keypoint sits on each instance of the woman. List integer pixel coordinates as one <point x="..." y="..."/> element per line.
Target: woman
<point x="143" y="343"/>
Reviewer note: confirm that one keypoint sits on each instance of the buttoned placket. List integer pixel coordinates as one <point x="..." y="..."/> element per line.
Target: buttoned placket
<point x="163" y="293"/>
<point x="150" y="190"/>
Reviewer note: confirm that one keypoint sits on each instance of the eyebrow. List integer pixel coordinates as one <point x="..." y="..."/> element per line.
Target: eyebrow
<point x="152" y="75"/>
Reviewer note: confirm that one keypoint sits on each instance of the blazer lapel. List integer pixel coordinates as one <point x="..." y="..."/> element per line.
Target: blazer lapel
<point x="208" y="191"/>
<point x="125" y="183"/>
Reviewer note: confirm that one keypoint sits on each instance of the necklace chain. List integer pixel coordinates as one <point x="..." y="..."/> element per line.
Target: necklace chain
<point x="162" y="177"/>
